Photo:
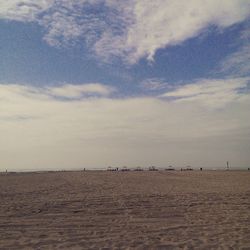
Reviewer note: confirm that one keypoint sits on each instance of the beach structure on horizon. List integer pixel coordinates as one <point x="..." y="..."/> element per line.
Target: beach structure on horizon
<point x="124" y="168"/>
<point x="188" y="168"/>
<point x="152" y="168"/>
<point x="138" y="169"/>
<point x="170" y="168"/>
<point x="112" y="169"/>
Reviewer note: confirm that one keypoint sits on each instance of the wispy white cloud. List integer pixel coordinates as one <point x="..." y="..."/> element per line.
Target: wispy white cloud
<point x="158" y="24"/>
<point x="25" y="10"/>
<point x="238" y="63"/>
<point x="45" y="131"/>
<point x="163" y="23"/>
<point x="154" y="84"/>
<point x="70" y="91"/>
<point x="212" y="93"/>
<point x="78" y="91"/>
<point x="130" y="30"/>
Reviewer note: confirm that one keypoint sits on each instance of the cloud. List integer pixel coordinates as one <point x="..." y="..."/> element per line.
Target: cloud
<point x="159" y="24"/>
<point x="237" y="64"/>
<point x="212" y="93"/>
<point x="154" y="84"/>
<point x="163" y="23"/>
<point x="70" y="91"/>
<point x="78" y="91"/>
<point x="128" y="30"/>
<point x="43" y="131"/>
<point x="25" y="10"/>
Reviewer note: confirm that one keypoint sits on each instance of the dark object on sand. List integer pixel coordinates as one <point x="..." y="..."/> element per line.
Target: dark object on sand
<point x="152" y="168"/>
<point x="138" y="169"/>
<point x="188" y="168"/>
<point x="200" y="169"/>
<point x="125" y="169"/>
<point x="170" y="168"/>
<point x="111" y="169"/>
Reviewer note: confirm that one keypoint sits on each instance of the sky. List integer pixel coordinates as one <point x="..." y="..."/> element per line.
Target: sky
<point x="98" y="83"/>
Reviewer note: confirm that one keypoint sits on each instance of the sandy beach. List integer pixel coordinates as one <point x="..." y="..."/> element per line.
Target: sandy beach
<point x="125" y="210"/>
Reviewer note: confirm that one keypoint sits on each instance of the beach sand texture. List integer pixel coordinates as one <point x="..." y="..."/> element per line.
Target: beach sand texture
<point x="125" y="210"/>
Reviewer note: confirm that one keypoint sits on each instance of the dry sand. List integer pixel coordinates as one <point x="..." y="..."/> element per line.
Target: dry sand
<point x="125" y="210"/>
